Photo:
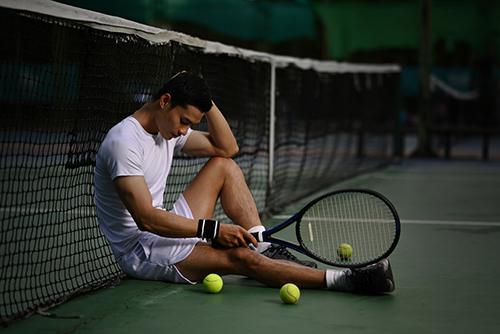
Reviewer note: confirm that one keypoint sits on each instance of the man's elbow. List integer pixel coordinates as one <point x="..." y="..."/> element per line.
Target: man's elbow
<point x="143" y="222"/>
<point x="143" y="225"/>
<point x="232" y="151"/>
<point x="227" y="152"/>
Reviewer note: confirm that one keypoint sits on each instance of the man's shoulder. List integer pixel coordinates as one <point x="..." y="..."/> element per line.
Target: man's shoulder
<point x="126" y="127"/>
<point x="123" y="132"/>
<point x="122" y="136"/>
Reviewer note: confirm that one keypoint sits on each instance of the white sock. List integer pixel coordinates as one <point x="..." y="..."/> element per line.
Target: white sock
<point x="337" y="280"/>
<point x="262" y="246"/>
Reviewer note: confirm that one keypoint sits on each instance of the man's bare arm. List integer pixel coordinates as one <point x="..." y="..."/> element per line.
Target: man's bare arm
<point x="134" y="193"/>
<point x="218" y="141"/>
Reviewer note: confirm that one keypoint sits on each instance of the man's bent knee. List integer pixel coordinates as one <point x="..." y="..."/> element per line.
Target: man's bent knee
<point x="205" y="260"/>
<point x="244" y="260"/>
<point x="226" y="164"/>
<point x="232" y="169"/>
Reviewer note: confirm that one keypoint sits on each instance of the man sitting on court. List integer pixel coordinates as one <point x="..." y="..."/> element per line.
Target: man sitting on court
<point x="149" y="242"/>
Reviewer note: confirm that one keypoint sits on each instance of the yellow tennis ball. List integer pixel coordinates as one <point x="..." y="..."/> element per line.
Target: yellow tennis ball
<point x="344" y="251"/>
<point x="290" y="293"/>
<point x="213" y="283"/>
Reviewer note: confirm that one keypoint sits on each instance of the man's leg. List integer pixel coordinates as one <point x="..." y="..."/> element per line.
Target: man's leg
<point x="242" y="261"/>
<point x="204" y="259"/>
<point x="222" y="177"/>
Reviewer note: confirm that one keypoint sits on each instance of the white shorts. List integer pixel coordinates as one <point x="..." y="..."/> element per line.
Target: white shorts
<point x="154" y="257"/>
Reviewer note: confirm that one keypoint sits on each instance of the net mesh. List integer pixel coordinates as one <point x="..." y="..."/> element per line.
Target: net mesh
<point x="64" y="83"/>
<point x="328" y="126"/>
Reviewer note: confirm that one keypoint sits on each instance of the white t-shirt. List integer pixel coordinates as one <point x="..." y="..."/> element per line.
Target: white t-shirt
<point x="128" y="150"/>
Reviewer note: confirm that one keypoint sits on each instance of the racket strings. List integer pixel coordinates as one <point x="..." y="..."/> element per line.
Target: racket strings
<point x="362" y="220"/>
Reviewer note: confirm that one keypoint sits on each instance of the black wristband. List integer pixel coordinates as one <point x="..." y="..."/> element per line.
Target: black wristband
<point x="208" y="229"/>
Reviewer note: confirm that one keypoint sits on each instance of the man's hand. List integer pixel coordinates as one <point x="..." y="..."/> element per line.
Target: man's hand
<point x="234" y="236"/>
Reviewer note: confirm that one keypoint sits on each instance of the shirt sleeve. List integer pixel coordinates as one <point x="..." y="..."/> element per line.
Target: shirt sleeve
<point x="124" y="158"/>
<point x="181" y="141"/>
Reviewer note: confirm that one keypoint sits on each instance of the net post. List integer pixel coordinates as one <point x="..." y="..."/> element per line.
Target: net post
<point x="272" y="123"/>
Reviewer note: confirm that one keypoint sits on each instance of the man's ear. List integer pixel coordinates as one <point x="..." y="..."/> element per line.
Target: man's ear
<point x="165" y="100"/>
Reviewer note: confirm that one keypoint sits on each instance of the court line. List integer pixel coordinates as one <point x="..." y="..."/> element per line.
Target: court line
<point x="486" y="177"/>
<point x="427" y="222"/>
<point x="449" y="222"/>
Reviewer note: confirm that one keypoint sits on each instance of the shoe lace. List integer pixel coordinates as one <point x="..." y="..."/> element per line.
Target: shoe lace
<point x="283" y="252"/>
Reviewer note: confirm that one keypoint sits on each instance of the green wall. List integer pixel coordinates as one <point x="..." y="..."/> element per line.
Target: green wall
<point x="364" y="25"/>
<point x="350" y="25"/>
<point x="248" y="20"/>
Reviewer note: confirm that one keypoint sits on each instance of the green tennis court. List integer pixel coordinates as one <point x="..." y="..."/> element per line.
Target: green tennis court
<point x="445" y="267"/>
<point x="304" y="127"/>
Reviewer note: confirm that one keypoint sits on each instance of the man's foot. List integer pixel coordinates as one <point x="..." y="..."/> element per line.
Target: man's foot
<point x="374" y="279"/>
<point x="278" y="252"/>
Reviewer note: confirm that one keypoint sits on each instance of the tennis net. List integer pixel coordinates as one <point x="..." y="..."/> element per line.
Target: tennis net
<point x="68" y="75"/>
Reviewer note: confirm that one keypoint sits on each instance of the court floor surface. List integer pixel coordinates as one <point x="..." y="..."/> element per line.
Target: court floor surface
<point x="446" y="268"/>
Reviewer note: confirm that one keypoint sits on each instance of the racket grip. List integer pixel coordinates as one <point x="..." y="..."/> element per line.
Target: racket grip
<point x="258" y="236"/>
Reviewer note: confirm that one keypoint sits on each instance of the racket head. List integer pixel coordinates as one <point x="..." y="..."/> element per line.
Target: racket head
<point x="362" y="218"/>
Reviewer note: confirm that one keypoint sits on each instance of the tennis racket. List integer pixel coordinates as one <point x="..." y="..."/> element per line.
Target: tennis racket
<point x="362" y="220"/>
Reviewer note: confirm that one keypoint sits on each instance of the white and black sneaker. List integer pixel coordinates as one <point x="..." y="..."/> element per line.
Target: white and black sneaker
<point x="374" y="279"/>
<point x="278" y="252"/>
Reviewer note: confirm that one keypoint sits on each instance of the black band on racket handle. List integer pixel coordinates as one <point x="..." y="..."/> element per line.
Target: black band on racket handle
<point x="258" y="236"/>
<point x="208" y="229"/>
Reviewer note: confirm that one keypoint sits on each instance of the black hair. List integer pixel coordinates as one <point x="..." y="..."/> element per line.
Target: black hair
<point x="186" y="89"/>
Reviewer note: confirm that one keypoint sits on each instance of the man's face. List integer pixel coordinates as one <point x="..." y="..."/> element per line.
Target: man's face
<point x="175" y="122"/>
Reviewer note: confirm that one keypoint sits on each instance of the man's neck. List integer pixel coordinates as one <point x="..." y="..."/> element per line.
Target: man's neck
<point x="145" y="117"/>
